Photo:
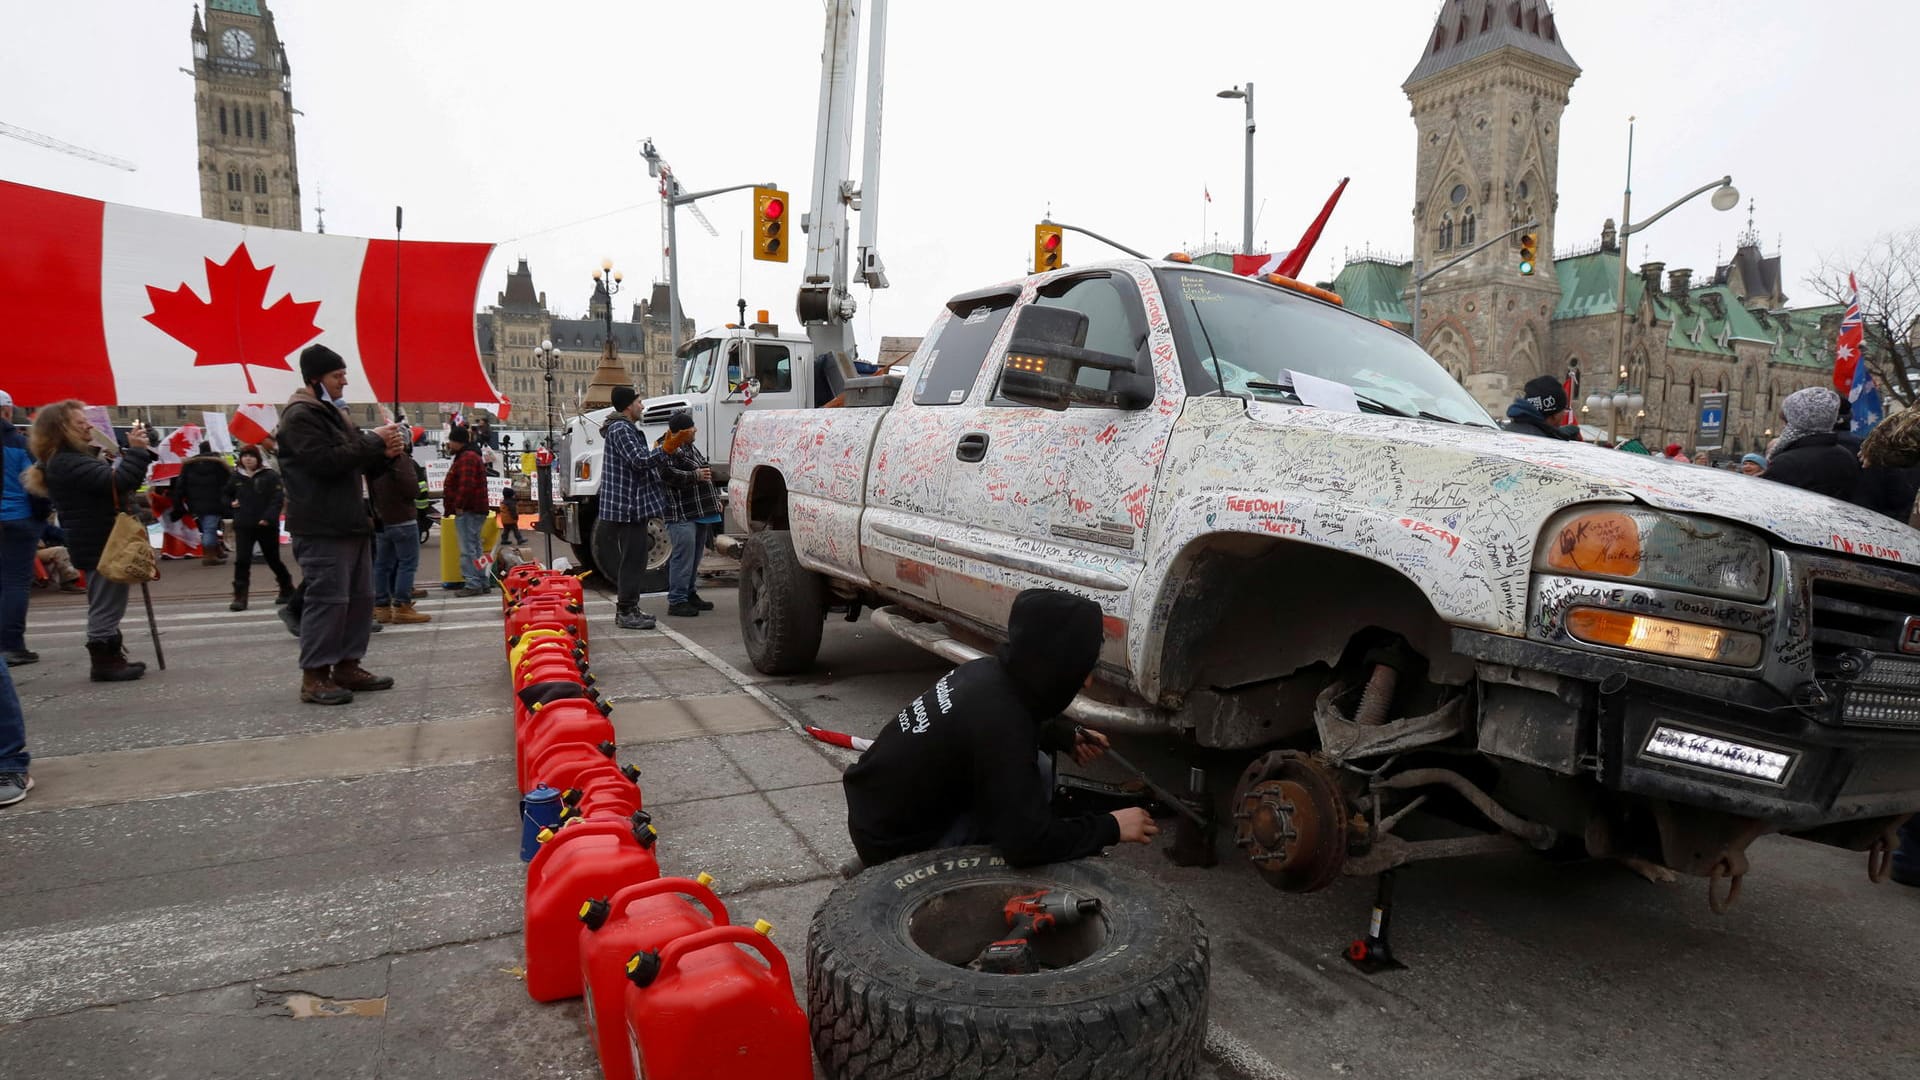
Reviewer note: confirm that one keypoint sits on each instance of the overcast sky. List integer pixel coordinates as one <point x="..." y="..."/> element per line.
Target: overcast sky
<point x="514" y="122"/>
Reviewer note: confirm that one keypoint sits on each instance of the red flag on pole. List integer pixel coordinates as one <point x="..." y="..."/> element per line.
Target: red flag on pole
<point x="1846" y="348"/>
<point x="1296" y="259"/>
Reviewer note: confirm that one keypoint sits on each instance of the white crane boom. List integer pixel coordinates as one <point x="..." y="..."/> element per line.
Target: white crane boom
<point x="51" y="143"/>
<point x="826" y="305"/>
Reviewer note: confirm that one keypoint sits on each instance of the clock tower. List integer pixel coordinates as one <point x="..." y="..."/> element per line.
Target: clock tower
<point x="243" y="108"/>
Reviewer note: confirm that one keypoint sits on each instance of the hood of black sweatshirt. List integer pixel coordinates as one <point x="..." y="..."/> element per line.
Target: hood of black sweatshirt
<point x="1053" y="642"/>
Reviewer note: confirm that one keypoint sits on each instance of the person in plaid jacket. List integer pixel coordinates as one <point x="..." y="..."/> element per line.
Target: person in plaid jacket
<point x="465" y="490"/>
<point x="630" y="494"/>
<point x="693" y="509"/>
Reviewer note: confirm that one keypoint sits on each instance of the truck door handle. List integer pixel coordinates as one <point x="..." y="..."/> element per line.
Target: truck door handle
<point x="973" y="446"/>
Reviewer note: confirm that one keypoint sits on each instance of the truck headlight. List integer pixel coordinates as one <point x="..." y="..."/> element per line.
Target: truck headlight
<point x="1652" y="547"/>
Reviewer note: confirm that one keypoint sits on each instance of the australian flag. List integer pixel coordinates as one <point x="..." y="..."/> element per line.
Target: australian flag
<point x="1849" y="363"/>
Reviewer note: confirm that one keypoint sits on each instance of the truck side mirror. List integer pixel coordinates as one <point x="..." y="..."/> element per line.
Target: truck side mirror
<point x="1044" y="359"/>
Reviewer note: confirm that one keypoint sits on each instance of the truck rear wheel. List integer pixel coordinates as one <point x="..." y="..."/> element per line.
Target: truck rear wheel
<point x="782" y="605"/>
<point x="890" y="992"/>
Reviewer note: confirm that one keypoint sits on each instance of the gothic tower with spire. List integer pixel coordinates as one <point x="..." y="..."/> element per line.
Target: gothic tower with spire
<point x="243" y="108"/>
<point x="1487" y="95"/>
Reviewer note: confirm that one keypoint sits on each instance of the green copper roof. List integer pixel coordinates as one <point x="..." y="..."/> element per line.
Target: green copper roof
<point x="1590" y="285"/>
<point x="237" y="7"/>
<point x="1799" y="339"/>
<point x="1372" y="287"/>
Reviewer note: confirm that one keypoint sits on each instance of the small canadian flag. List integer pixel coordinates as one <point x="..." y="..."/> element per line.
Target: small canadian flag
<point x="254" y="423"/>
<point x="162" y="309"/>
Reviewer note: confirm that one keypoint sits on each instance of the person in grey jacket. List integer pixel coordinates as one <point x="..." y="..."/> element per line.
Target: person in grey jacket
<point x="89" y="490"/>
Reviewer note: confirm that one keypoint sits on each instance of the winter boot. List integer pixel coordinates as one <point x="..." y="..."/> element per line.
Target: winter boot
<point x="213" y="560"/>
<point x="405" y="613"/>
<point x="110" y="663"/>
<point x="318" y="688"/>
<point x="349" y="675"/>
<point x="383" y="613"/>
<point x="693" y="597"/>
<point x="284" y="595"/>
<point x="239" y="600"/>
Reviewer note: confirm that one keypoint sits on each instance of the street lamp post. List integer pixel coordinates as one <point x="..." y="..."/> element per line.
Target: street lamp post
<point x="1246" y="233"/>
<point x="548" y="358"/>
<point x="609" y="279"/>
<point x="1623" y="397"/>
<point x="1725" y="197"/>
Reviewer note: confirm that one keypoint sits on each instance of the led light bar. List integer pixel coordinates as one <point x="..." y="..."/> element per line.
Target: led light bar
<point x="1880" y="708"/>
<point x="1722" y="755"/>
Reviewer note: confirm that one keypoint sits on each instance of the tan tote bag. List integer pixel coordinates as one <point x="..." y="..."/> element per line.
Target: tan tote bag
<point x="128" y="556"/>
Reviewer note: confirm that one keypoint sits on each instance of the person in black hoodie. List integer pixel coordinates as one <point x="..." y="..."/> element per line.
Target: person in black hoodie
<point x="1808" y="454"/>
<point x="1533" y="412"/>
<point x="203" y="491"/>
<point x="255" y="498"/>
<point x="957" y="765"/>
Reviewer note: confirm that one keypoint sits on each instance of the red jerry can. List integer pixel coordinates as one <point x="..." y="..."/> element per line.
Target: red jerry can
<point x="574" y="720"/>
<point x="638" y="918"/>
<point x="518" y="645"/>
<point x="564" y="586"/>
<point x="602" y="792"/>
<point x="517" y="580"/>
<point x="548" y="615"/>
<point x="547" y="664"/>
<point x="702" y="1009"/>
<point x="561" y="766"/>
<point x="576" y="863"/>
<point x="526" y="716"/>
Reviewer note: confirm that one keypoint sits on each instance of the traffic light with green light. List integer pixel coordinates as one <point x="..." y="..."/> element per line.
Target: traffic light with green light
<point x="1529" y="245"/>
<point x="1048" y="249"/>
<point x="769" y="224"/>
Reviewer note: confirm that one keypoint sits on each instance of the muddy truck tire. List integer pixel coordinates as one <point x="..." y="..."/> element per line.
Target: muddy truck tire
<point x="783" y="605"/>
<point x="1123" y="994"/>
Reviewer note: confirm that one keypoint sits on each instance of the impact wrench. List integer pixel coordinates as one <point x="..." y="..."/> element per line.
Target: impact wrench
<point x="1027" y="916"/>
<point x="1165" y="796"/>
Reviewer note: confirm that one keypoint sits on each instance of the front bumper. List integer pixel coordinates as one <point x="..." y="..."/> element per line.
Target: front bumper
<point x="1602" y="711"/>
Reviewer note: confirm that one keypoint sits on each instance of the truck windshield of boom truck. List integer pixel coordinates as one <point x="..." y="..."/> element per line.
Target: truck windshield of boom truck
<point x="1255" y="334"/>
<point x="697" y="373"/>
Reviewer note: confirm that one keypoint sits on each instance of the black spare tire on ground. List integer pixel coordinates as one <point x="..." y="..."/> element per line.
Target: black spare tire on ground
<point x="1122" y="996"/>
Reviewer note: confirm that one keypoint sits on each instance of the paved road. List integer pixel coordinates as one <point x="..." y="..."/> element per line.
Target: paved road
<point x="1518" y="968"/>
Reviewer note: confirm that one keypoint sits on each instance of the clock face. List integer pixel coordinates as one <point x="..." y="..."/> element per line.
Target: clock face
<point x="237" y="43"/>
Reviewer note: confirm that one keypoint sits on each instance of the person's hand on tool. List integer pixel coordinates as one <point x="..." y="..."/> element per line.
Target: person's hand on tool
<point x="1088" y="744"/>
<point x="1136" y="825"/>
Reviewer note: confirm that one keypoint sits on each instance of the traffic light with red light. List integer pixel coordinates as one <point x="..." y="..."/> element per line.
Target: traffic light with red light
<point x="1529" y="245"/>
<point x="769" y="224"/>
<point x="1049" y="251"/>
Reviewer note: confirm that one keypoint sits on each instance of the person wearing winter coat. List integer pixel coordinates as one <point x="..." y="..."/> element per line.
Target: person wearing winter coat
<point x="1808" y="454"/>
<point x="396" y="547"/>
<point x="203" y="489"/>
<point x="693" y="506"/>
<point x="90" y="491"/>
<point x="325" y="460"/>
<point x="23" y="520"/>
<point x="255" y="498"/>
<point x="958" y="764"/>
<point x="1532" y="413"/>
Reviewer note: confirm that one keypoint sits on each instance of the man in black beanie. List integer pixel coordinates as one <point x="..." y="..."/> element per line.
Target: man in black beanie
<point x="324" y="459"/>
<point x="1538" y="410"/>
<point x="958" y="764"/>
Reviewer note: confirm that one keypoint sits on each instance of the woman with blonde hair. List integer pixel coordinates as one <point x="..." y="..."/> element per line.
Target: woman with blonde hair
<point x="89" y="491"/>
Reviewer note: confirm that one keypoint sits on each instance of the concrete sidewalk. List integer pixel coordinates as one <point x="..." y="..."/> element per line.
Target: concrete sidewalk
<point x="212" y="879"/>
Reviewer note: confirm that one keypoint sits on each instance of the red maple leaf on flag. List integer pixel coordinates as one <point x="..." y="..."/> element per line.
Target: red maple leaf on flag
<point x="232" y="326"/>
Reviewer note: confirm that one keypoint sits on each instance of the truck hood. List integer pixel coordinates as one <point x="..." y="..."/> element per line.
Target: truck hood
<point x="1536" y="477"/>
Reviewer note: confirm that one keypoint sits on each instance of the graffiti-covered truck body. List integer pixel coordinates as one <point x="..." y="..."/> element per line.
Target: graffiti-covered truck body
<point x="1311" y="543"/>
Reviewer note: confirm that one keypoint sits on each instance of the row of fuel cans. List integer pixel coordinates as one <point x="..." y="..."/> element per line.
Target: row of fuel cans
<point x="673" y="988"/>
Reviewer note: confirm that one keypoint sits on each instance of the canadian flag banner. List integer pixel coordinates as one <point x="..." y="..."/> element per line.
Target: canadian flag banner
<point x="171" y="452"/>
<point x="151" y="308"/>
<point x="254" y="423"/>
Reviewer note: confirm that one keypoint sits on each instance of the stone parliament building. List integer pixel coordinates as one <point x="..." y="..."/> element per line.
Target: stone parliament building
<point x="1487" y="98"/>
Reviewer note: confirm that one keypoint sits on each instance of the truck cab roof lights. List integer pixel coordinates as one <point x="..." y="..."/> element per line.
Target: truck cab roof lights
<point x="1305" y="289"/>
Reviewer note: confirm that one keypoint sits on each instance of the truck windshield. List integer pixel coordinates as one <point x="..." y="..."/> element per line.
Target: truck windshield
<point x="1260" y="334"/>
<point x="697" y="374"/>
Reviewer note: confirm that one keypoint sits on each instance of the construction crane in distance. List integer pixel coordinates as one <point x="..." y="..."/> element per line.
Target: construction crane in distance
<point x="50" y="143"/>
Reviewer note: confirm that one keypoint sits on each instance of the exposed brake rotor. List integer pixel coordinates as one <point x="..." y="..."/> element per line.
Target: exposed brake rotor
<point x="1290" y="816"/>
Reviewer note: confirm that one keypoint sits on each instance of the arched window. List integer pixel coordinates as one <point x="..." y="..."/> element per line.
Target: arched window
<point x="1446" y="231"/>
<point x="1466" y="226"/>
<point x="259" y="182"/>
<point x="249" y="125"/>
<point x="223" y="119"/>
<point x="233" y="179"/>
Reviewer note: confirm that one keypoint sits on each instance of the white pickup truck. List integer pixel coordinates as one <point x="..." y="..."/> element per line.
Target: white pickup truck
<point x="1312" y="544"/>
